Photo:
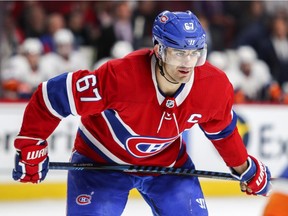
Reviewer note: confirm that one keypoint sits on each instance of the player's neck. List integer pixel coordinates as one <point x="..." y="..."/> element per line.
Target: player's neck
<point x="168" y="88"/>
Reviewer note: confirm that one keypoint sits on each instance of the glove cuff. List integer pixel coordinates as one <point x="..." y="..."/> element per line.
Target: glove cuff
<point x="23" y="141"/>
<point x="248" y="174"/>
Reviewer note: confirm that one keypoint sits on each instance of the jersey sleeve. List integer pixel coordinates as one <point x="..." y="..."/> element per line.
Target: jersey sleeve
<point x="76" y="93"/>
<point x="222" y="131"/>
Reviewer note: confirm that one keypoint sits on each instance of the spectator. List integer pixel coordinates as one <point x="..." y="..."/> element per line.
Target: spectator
<point x="33" y="19"/>
<point x="104" y="11"/>
<point x="12" y="36"/>
<point x="119" y="50"/>
<point x="23" y="72"/>
<point x="142" y="19"/>
<point x="221" y="21"/>
<point x="66" y="58"/>
<point x="55" y="21"/>
<point x="274" y="49"/>
<point x="254" y="74"/>
<point x="120" y="29"/>
<point x="79" y="29"/>
<point x="253" y="26"/>
<point x="83" y="22"/>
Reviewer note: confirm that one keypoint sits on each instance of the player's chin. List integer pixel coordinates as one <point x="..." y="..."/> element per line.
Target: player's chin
<point x="184" y="79"/>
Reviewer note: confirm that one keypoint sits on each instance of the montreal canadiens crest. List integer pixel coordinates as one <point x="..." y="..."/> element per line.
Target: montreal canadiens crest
<point x="164" y="19"/>
<point x="142" y="147"/>
<point x="83" y="199"/>
<point x="138" y="146"/>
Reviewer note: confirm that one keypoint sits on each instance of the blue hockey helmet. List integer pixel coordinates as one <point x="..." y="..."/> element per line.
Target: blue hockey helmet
<point x="180" y="30"/>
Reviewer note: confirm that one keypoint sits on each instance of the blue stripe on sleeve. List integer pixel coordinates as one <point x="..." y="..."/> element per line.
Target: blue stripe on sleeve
<point x="224" y="133"/>
<point x="57" y="94"/>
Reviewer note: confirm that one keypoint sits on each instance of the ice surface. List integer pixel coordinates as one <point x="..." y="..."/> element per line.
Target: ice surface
<point x="217" y="207"/>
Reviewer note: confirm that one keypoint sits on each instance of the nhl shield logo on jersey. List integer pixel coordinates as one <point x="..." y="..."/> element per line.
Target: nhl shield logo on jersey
<point x="170" y="103"/>
<point x="83" y="199"/>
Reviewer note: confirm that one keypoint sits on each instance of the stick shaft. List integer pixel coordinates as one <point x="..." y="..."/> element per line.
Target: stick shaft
<point x="141" y="169"/>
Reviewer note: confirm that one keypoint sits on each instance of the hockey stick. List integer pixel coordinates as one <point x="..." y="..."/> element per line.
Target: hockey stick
<point x="142" y="169"/>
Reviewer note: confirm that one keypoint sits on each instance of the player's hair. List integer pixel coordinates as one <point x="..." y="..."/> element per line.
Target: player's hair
<point x="180" y="30"/>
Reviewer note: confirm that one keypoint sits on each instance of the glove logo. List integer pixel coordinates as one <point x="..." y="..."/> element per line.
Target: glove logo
<point x="83" y="199"/>
<point x="37" y="154"/>
<point x="261" y="175"/>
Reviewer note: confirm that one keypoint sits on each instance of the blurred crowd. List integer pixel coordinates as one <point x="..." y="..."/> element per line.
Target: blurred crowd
<point x="248" y="40"/>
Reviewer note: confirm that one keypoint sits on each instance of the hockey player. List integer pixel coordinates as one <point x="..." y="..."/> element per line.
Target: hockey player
<point x="133" y="111"/>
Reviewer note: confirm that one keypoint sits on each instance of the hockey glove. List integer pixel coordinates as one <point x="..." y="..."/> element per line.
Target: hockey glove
<point x="256" y="179"/>
<point x="31" y="160"/>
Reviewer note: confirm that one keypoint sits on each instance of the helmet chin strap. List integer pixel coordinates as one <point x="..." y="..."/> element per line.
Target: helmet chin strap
<point x="163" y="74"/>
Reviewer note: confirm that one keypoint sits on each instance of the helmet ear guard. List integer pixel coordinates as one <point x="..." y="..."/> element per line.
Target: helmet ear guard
<point x="161" y="51"/>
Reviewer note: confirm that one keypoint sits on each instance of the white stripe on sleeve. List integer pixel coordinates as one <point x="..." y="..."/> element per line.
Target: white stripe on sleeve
<point x="70" y="94"/>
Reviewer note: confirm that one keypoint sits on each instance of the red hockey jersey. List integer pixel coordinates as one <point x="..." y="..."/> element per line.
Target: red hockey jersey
<point x="126" y="119"/>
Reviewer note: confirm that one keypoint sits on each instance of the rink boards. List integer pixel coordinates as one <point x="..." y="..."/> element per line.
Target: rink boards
<point x="263" y="128"/>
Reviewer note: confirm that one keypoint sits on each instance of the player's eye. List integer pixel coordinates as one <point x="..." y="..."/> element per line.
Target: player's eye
<point x="180" y="54"/>
<point x="196" y="53"/>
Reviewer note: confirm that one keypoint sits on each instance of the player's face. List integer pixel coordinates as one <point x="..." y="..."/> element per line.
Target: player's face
<point x="179" y="64"/>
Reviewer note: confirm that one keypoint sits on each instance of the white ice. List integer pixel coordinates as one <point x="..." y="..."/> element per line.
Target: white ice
<point x="236" y="206"/>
